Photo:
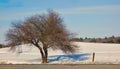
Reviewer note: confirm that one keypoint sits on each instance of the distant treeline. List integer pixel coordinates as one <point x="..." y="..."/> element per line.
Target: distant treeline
<point x="111" y="39"/>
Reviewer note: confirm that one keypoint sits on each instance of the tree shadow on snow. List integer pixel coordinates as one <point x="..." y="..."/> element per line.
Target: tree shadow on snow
<point x="75" y="57"/>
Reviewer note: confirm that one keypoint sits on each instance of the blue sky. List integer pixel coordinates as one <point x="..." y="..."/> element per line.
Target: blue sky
<point x="86" y="18"/>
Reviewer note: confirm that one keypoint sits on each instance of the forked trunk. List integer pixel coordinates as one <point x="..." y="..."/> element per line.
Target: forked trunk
<point x="44" y="55"/>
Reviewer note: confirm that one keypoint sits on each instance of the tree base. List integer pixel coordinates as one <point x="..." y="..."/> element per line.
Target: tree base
<point x="44" y="62"/>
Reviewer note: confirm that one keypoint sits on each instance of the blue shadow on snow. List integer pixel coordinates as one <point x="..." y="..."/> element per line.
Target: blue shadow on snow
<point x="75" y="57"/>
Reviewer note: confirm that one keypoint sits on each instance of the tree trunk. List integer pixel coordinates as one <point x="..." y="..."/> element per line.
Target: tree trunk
<point x="44" y="53"/>
<point x="45" y="56"/>
<point x="44" y="60"/>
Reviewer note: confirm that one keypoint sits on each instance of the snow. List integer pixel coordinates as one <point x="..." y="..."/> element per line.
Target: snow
<point x="104" y="54"/>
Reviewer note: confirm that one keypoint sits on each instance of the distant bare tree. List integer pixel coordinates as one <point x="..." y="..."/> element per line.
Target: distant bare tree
<point x="1" y="45"/>
<point x="43" y="31"/>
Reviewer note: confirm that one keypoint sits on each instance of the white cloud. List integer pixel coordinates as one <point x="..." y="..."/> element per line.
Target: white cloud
<point x="92" y="10"/>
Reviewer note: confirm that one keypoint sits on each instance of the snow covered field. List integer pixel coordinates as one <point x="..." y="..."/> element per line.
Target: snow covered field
<point x="104" y="54"/>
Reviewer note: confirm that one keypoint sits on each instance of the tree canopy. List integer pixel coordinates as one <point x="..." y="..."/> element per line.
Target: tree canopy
<point x="43" y="31"/>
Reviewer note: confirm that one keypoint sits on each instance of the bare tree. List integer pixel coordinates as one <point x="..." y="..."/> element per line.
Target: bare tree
<point x="43" y="31"/>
